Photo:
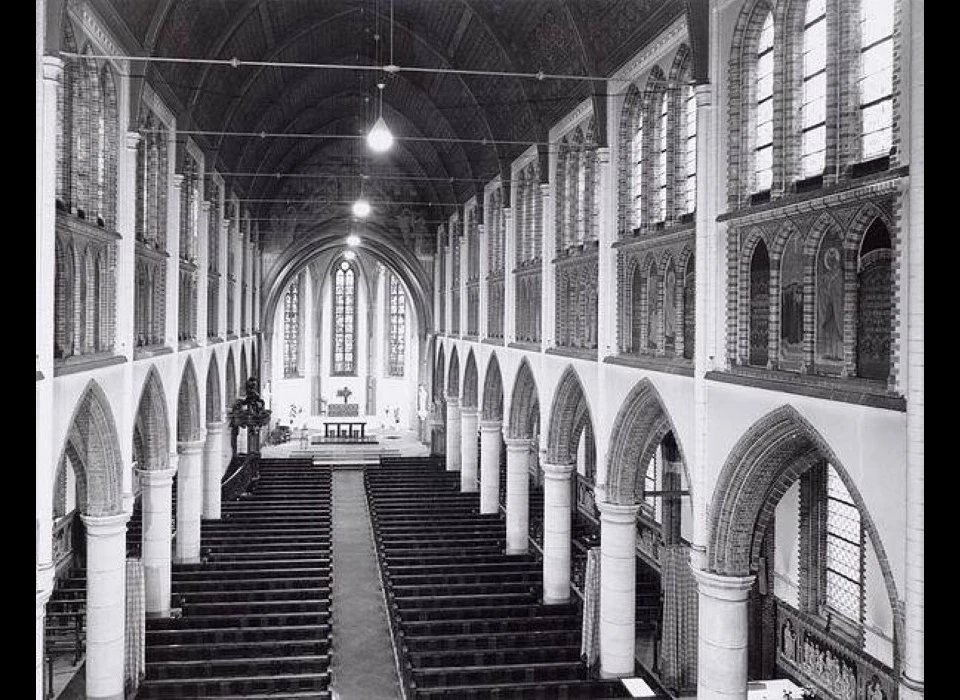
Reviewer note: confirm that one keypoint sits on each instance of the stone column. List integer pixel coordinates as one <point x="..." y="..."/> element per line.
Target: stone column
<point x="912" y="677"/>
<point x="618" y="604"/>
<point x="213" y="470"/>
<point x="156" y="501"/>
<point x="42" y="598"/>
<point x="468" y="443"/>
<point x="189" y="501"/>
<point x="227" y="443"/>
<point x="106" y="604"/>
<point x="489" y="466"/>
<point x="518" y="499"/>
<point x="722" y="652"/>
<point x="556" y="532"/>
<point x="453" y="434"/>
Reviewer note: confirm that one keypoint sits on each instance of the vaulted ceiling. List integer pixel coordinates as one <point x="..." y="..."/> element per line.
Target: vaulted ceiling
<point x="455" y="118"/>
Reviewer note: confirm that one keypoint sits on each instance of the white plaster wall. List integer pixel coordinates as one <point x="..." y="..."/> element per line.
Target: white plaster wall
<point x="786" y="571"/>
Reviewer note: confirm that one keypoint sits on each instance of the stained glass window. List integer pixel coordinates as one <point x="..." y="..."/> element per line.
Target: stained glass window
<point x="876" y="76"/>
<point x="844" y="550"/>
<point x="398" y="327"/>
<point x="763" y="135"/>
<point x="344" y="319"/>
<point x="291" y="330"/>
<point x="813" y="110"/>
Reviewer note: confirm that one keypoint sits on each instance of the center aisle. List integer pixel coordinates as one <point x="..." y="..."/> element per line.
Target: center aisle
<point x="363" y="662"/>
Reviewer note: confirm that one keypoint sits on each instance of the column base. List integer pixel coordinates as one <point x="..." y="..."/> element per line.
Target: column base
<point x="555" y="601"/>
<point x="118" y="696"/>
<point x="157" y="615"/>
<point x="512" y="551"/>
<point x="187" y="560"/>
<point x="608" y="675"/>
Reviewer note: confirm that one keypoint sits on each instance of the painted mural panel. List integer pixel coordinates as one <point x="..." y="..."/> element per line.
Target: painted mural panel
<point x="791" y="303"/>
<point x="829" y="307"/>
<point x="689" y="309"/>
<point x="670" y="310"/>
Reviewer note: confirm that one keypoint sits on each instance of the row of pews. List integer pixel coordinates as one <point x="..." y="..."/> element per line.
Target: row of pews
<point x="466" y="618"/>
<point x="254" y="616"/>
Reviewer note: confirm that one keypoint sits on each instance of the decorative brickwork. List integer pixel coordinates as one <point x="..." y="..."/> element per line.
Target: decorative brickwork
<point x="152" y="423"/>
<point x="524" y="405"/>
<point x="214" y="397"/>
<point x="529" y="302"/>
<point x="453" y="375"/>
<point x="469" y="392"/>
<point x="495" y="231"/>
<point x="94" y="451"/>
<point x="569" y="418"/>
<point x="843" y="126"/>
<point x="800" y="307"/>
<point x="775" y="452"/>
<point x="639" y="428"/>
<point x="492" y="391"/>
<point x="655" y="279"/>
<point x="576" y="295"/>
<point x="189" y="419"/>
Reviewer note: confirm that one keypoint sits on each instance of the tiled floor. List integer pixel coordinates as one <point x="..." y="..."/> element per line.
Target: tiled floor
<point x="363" y="663"/>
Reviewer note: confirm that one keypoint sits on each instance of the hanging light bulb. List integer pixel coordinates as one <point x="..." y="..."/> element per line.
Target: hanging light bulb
<point x="349" y="255"/>
<point x="353" y="240"/>
<point x="361" y="209"/>
<point x="379" y="138"/>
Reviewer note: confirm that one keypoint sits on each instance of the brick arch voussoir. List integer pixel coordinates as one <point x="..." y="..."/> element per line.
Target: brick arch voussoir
<point x="568" y="401"/>
<point x="779" y="242"/>
<point x="861" y="223"/>
<point x="94" y="448"/>
<point x="824" y="224"/>
<point x="523" y="400"/>
<point x="453" y="375"/>
<point x="681" y="60"/>
<point x="214" y="408"/>
<point x="470" y="389"/>
<point x="189" y="419"/>
<point x="493" y="391"/>
<point x="153" y="422"/>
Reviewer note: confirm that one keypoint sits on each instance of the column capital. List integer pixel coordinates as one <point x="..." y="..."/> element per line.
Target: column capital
<point x="187" y="447"/>
<point x="156" y="477"/>
<point x="729" y="588"/>
<point x="453" y="402"/>
<point x="517" y="444"/>
<point x="177" y="180"/>
<point x="216" y="426"/>
<point x="105" y="525"/>
<point x="469" y="412"/>
<point x="131" y="139"/>
<point x="617" y="514"/>
<point x="490" y="426"/>
<point x="52" y="67"/>
<point x="704" y="94"/>
<point x="558" y="472"/>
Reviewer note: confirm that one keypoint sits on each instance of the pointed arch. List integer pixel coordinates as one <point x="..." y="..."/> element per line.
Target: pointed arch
<point x="640" y="426"/>
<point x="188" y="406"/>
<point x="524" y="404"/>
<point x="438" y="375"/>
<point x="493" y="391"/>
<point x="214" y="398"/>
<point x="94" y="448"/>
<point x="244" y="374"/>
<point x="453" y="376"/>
<point x="231" y="380"/>
<point x="254" y="365"/>
<point x="151" y="427"/>
<point x="569" y="417"/>
<point x="470" y="382"/>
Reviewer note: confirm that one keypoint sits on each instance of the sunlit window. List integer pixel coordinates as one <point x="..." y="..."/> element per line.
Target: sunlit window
<point x="844" y="545"/>
<point x="398" y="327"/>
<point x="813" y="109"/>
<point x="637" y="160"/>
<point x="876" y="77"/>
<point x="661" y="175"/>
<point x="763" y="136"/>
<point x="690" y="149"/>
<point x="344" y="320"/>
<point x="291" y="330"/>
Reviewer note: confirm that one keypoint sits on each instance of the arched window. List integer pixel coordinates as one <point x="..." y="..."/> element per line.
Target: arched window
<point x="583" y="198"/>
<point x="844" y="551"/>
<point x="652" y="506"/>
<point x="344" y="319"/>
<point x="291" y="329"/>
<point x="689" y="145"/>
<point x="876" y="77"/>
<point x="759" y="309"/>
<point x="813" y="107"/>
<point x="660" y="174"/>
<point x="398" y="328"/>
<point x="636" y="161"/>
<point x="763" y="115"/>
